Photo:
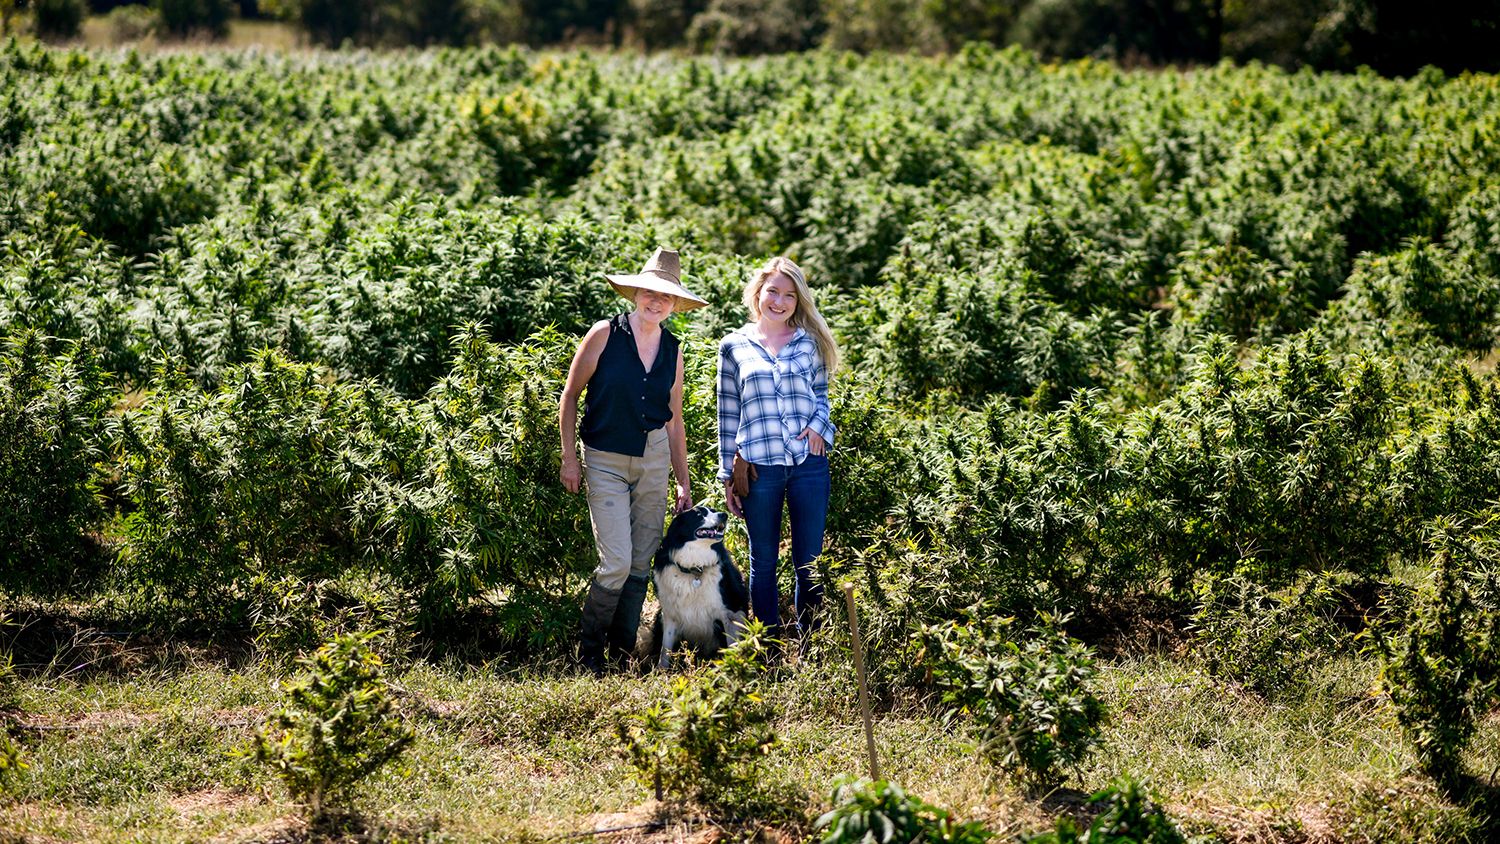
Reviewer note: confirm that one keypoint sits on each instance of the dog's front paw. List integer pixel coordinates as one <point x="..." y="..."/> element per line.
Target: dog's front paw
<point x="668" y="642"/>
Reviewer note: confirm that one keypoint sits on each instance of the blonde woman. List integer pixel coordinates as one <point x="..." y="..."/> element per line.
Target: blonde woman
<point x="632" y="430"/>
<point x="773" y="412"/>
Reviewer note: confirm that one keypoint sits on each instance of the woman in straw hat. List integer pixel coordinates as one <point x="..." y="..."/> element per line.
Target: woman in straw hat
<point x="632" y="430"/>
<point x="774" y="421"/>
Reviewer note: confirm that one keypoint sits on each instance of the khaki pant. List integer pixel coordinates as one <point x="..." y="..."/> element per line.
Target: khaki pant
<point x="627" y="505"/>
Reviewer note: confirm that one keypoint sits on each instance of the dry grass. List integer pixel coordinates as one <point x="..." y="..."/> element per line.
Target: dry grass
<point x="243" y="34"/>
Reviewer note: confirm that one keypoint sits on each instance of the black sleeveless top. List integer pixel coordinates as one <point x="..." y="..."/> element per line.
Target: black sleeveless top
<point x="624" y="401"/>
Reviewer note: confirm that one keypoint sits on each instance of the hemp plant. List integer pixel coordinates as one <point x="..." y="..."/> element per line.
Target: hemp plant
<point x="1442" y="669"/>
<point x="705" y="743"/>
<point x="338" y="727"/>
<point x="1129" y="816"/>
<point x="1028" y="698"/>
<point x="882" y="812"/>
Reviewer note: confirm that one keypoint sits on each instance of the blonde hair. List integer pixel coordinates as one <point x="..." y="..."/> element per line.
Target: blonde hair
<point x="805" y="316"/>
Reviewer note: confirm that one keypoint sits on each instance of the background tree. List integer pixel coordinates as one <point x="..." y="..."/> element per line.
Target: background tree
<point x="749" y="27"/>
<point x="971" y="20"/>
<point x="1400" y="38"/>
<point x="495" y="21"/>
<point x="183" y="18"/>
<point x="58" y="18"/>
<point x="661" y="23"/>
<point x="553" y="21"/>
<point x="867" y="25"/>
<point x="1155" y="31"/>
<point x="9" y="9"/>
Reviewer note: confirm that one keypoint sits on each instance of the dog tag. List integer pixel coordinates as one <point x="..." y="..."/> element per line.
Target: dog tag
<point x="697" y="581"/>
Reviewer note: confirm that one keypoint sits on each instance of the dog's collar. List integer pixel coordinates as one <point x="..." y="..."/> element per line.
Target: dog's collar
<point x="694" y="572"/>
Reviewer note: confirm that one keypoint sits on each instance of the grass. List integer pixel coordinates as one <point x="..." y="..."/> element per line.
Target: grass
<point x="1252" y="769"/>
<point x="269" y="35"/>
<point x="148" y="755"/>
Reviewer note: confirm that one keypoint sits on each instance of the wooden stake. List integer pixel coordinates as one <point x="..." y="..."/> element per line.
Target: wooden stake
<point x="859" y="668"/>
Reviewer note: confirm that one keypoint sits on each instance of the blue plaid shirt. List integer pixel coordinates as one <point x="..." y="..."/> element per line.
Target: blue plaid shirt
<point x="765" y="402"/>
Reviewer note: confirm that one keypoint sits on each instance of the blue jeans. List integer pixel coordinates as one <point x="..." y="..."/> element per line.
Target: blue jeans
<point x="804" y="490"/>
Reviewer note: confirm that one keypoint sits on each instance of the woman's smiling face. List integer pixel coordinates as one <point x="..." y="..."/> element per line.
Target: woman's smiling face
<point x="654" y="306"/>
<point x="778" y="298"/>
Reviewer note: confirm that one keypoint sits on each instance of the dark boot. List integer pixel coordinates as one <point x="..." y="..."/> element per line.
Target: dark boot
<point x="598" y="610"/>
<point x="778" y="641"/>
<point x="627" y="620"/>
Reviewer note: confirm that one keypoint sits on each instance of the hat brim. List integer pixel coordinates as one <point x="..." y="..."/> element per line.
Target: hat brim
<point x="628" y="285"/>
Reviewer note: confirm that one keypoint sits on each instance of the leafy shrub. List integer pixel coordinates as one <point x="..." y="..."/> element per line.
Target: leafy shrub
<point x="534" y="139"/>
<point x="1228" y="290"/>
<point x="132" y="22"/>
<point x="53" y="409"/>
<point x="1421" y="293"/>
<point x="274" y="490"/>
<point x="254" y="477"/>
<point x="464" y="497"/>
<point x="338" y="726"/>
<point x="1447" y="467"/>
<point x="278" y="493"/>
<point x="1442" y="669"/>
<point x="61" y="284"/>
<point x="129" y="189"/>
<point x="1029" y="698"/>
<point x="1268" y="641"/>
<point x="1265" y="469"/>
<point x="1153" y="359"/>
<point x="1129" y="817"/>
<point x="416" y="272"/>
<point x="1460" y="304"/>
<point x="974" y="339"/>
<point x="882" y="812"/>
<point x="1022" y="499"/>
<point x="1474" y="230"/>
<point x="1269" y="469"/>
<point x="705" y="743"/>
<point x="868" y="464"/>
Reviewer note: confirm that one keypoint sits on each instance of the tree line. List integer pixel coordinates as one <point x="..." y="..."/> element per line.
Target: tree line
<point x="1390" y="36"/>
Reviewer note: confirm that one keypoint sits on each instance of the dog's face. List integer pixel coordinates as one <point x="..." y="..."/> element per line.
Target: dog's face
<point x="700" y="524"/>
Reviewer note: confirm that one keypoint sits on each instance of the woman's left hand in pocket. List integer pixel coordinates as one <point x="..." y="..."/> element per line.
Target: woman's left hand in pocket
<point x="815" y="443"/>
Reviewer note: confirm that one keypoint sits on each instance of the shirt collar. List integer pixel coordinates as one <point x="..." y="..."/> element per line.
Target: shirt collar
<point x="748" y="332"/>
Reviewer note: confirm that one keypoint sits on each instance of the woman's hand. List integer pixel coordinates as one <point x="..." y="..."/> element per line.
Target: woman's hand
<point x="815" y="442"/>
<point x="732" y="501"/>
<point x="684" y="497"/>
<point x="570" y="475"/>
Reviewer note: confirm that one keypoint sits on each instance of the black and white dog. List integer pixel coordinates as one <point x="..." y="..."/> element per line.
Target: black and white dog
<point x="703" y="597"/>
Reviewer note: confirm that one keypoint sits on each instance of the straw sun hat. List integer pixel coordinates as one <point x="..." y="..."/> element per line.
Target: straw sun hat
<point x="663" y="274"/>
